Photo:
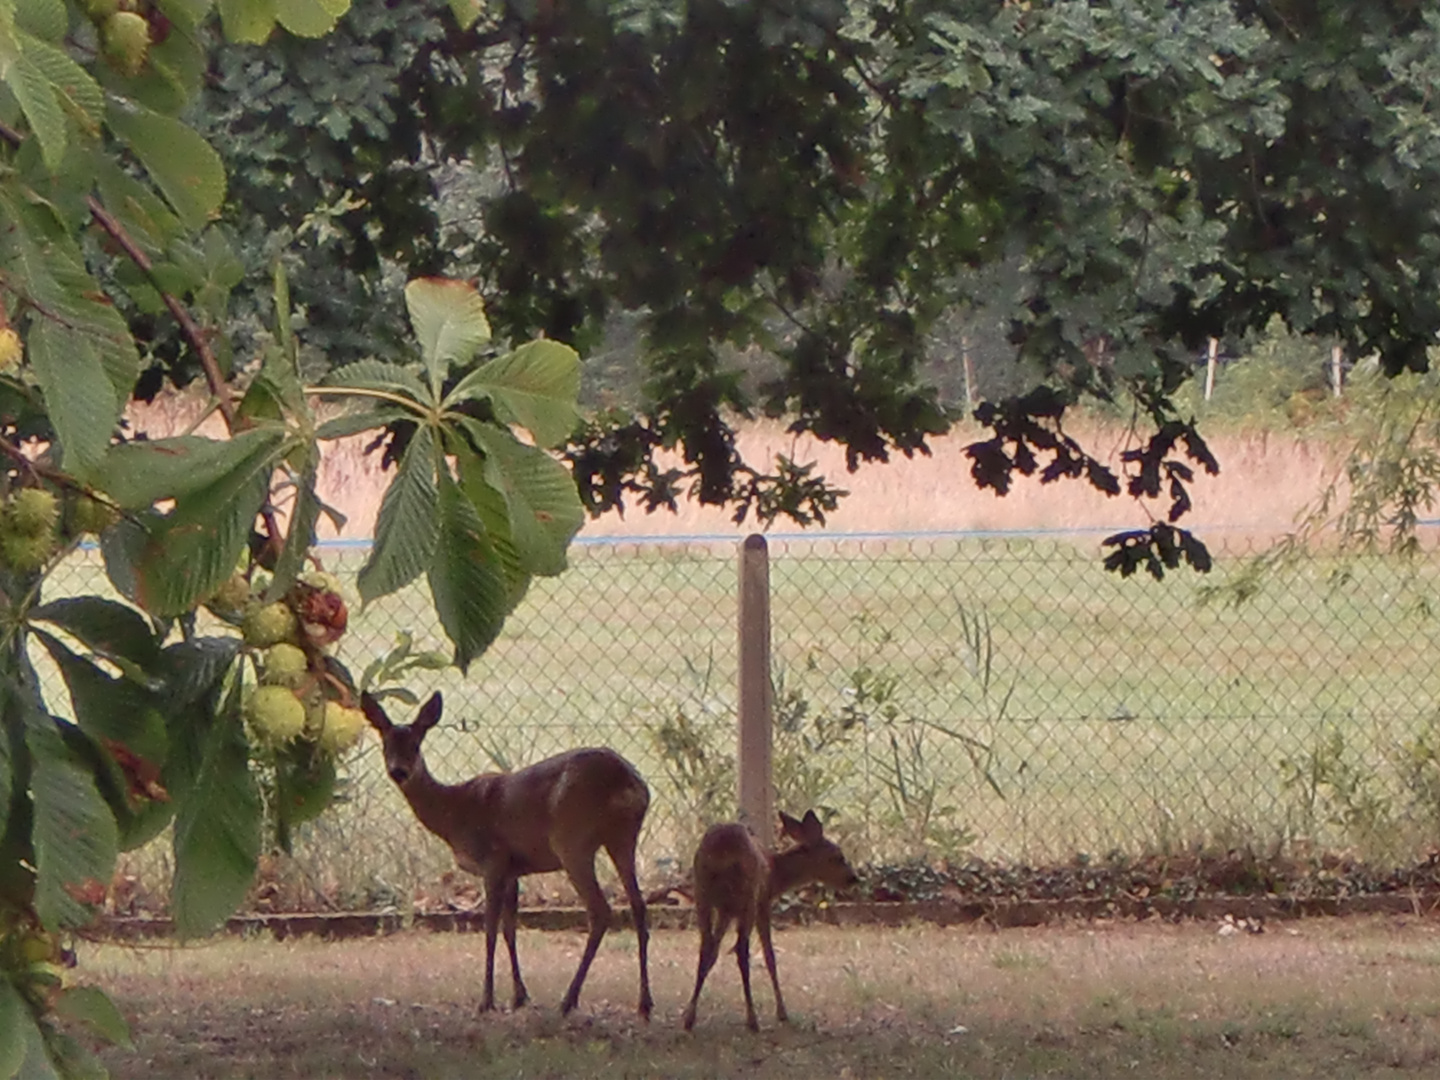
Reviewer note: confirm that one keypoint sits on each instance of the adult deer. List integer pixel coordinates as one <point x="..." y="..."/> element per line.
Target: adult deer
<point x="736" y="880"/>
<point x="553" y="815"/>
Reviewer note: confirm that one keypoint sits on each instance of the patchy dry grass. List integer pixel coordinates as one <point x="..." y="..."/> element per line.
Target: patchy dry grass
<point x="1267" y="477"/>
<point x="1357" y="998"/>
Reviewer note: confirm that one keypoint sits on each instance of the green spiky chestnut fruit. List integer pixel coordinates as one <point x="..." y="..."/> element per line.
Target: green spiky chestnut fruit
<point x="12" y="349"/>
<point x="125" y="37"/>
<point x="26" y="554"/>
<point x="32" y="512"/>
<point x="38" y="947"/>
<point x="285" y="665"/>
<point x="322" y="580"/>
<point x="342" y="728"/>
<point x="275" y="713"/>
<point x="91" y="515"/>
<point x="230" y="600"/>
<point x="99" y="11"/>
<point x="268" y="624"/>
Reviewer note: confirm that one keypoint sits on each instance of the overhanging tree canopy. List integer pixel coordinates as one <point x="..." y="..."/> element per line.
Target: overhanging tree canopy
<point x="825" y="179"/>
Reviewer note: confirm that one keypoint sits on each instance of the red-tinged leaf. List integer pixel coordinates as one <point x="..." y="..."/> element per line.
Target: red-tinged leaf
<point x="142" y="775"/>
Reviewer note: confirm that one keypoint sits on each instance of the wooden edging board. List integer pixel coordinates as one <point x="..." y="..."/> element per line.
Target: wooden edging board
<point x="340" y="925"/>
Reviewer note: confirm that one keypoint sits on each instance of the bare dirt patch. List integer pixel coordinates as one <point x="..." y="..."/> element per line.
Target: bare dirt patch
<point x="1354" y="998"/>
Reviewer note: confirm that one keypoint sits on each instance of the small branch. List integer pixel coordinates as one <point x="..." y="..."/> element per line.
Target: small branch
<point x="30" y="302"/>
<point x="219" y="389"/>
<point x="192" y="330"/>
<point x="883" y="92"/>
<point x="27" y="466"/>
<point x="55" y="476"/>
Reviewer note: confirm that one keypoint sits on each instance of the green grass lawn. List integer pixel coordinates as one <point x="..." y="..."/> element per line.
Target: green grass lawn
<point x="1086" y="713"/>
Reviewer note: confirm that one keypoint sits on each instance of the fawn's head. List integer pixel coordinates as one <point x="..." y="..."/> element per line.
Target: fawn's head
<point x="824" y="860"/>
<point x="402" y="741"/>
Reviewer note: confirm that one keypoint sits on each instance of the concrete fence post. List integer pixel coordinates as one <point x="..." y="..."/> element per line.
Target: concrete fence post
<point x="757" y="788"/>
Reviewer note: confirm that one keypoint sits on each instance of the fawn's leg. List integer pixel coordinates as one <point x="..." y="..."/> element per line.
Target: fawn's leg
<point x="712" y="929"/>
<point x="762" y="923"/>
<point x="623" y="856"/>
<point x="742" y="958"/>
<point x="508" y="919"/>
<point x="495" y="886"/>
<point x="580" y="868"/>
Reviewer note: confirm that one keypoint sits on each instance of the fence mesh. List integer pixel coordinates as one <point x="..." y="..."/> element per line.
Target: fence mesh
<point x="937" y="696"/>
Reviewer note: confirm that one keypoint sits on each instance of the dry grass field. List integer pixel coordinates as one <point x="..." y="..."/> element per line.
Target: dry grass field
<point x="1319" y="998"/>
<point x="1265" y="480"/>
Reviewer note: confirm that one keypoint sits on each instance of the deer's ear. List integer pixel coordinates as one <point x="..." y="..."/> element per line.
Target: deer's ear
<point x="792" y="827"/>
<point x="811" y="828"/>
<point x="429" y="713"/>
<point x="374" y="713"/>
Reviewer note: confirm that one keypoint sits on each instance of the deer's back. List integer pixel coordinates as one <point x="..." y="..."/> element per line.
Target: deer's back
<point x="732" y="870"/>
<point x="590" y="795"/>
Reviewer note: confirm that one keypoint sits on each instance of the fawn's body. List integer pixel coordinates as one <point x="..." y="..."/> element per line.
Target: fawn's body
<point x="736" y="880"/>
<point x="553" y="815"/>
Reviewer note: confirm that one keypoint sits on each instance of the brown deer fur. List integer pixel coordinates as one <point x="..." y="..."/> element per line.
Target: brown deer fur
<point x="736" y="880"/>
<point x="553" y="815"/>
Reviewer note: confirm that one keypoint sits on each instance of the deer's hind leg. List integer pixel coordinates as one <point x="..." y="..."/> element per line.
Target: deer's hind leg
<point x="622" y="854"/>
<point x="713" y="925"/>
<point x="762" y="924"/>
<point x="579" y="866"/>
<point x="742" y="960"/>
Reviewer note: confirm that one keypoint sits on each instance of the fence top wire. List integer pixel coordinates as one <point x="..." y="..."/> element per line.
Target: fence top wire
<point x="824" y="536"/>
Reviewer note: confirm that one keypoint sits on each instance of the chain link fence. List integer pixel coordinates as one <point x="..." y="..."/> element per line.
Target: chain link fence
<point x="937" y="696"/>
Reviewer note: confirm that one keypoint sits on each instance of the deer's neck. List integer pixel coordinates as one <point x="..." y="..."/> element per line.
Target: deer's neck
<point x="787" y="869"/>
<point x="434" y="803"/>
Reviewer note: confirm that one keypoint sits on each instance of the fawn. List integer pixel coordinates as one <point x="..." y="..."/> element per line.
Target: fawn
<point x="553" y="815"/>
<point x="737" y="880"/>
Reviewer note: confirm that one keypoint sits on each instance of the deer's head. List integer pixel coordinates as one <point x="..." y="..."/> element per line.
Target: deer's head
<point x="823" y="858"/>
<point x="402" y="741"/>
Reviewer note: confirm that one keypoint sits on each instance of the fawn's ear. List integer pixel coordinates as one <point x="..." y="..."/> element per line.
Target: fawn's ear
<point x="429" y="713"/>
<point x="811" y="828"/>
<point x="792" y="827"/>
<point x="374" y="713"/>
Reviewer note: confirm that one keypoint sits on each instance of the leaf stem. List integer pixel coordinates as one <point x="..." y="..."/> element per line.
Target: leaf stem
<point x="357" y="391"/>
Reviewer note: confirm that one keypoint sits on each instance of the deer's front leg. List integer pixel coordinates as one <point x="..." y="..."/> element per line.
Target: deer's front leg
<point x="495" y="884"/>
<point x="508" y="919"/>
